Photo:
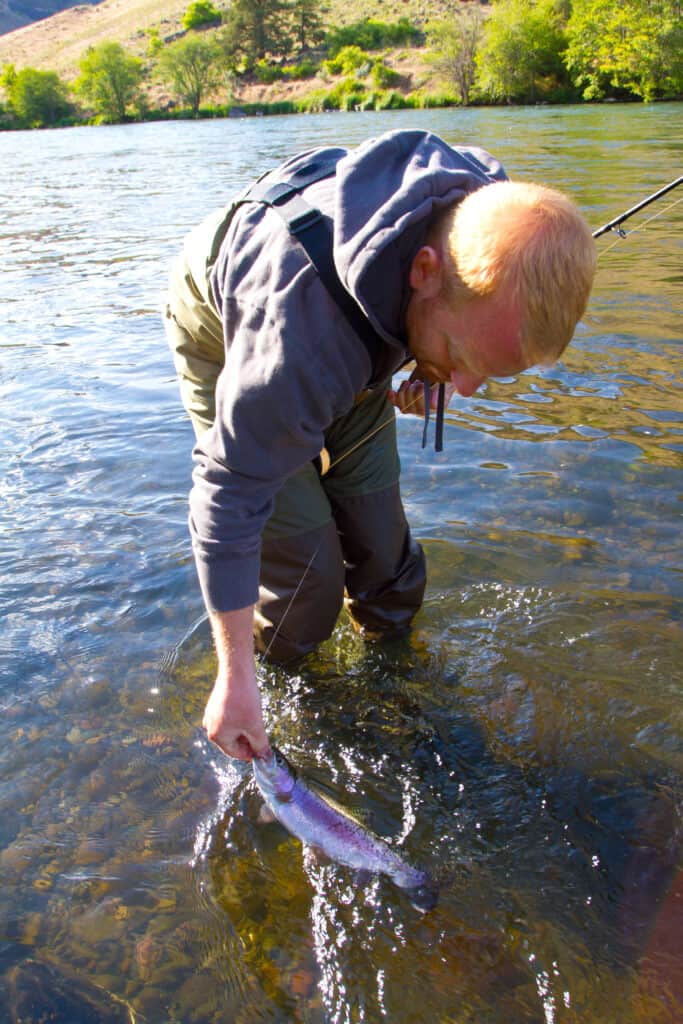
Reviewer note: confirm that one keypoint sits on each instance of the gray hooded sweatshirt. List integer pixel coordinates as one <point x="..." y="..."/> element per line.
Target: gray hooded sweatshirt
<point x="293" y="364"/>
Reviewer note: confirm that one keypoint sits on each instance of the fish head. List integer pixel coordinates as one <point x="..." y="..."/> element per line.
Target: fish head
<point x="275" y="775"/>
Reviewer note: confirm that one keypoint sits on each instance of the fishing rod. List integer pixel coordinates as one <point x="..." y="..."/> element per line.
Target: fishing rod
<point x="634" y="209"/>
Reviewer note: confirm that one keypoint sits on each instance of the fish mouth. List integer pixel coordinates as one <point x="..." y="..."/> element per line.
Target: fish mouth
<point x="276" y="773"/>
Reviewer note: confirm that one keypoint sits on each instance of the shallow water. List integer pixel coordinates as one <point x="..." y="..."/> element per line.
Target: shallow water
<point x="524" y="745"/>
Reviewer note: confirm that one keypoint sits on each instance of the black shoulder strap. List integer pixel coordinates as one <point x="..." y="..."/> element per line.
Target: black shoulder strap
<point x="309" y="227"/>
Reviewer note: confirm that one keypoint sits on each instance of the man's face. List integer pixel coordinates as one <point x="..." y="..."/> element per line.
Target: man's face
<point x="461" y="344"/>
<point x="465" y="345"/>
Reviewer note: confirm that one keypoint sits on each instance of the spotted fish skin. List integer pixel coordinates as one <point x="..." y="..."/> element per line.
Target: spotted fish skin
<point x="318" y="823"/>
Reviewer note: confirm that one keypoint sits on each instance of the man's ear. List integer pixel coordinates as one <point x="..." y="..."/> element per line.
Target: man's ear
<point x="426" y="272"/>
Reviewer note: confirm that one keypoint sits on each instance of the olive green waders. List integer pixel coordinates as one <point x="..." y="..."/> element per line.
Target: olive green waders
<point x="344" y="532"/>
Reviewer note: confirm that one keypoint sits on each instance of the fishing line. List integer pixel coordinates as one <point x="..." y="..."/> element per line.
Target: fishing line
<point x="623" y="234"/>
<point x="371" y="433"/>
<point x="292" y="599"/>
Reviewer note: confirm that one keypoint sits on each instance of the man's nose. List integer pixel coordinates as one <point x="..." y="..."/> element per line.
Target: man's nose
<point x="466" y="383"/>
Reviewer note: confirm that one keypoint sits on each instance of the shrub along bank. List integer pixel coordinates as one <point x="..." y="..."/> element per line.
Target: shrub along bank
<point x="515" y="51"/>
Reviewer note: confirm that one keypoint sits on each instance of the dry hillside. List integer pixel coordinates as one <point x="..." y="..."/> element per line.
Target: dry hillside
<point x="15" y="13"/>
<point x="58" y="42"/>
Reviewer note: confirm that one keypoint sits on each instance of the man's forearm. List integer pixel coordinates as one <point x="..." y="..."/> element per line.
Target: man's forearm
<point x="233" y="636"/>
<point x="233" y="719"/>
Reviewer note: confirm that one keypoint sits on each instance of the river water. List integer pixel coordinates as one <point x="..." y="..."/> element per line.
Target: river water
<point x="524" y="745"/>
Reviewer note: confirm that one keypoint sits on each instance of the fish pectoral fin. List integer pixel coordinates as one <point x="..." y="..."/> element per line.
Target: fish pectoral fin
<point x="265" y="815"/>
<point x="317" y="855"/>
<point x="362" y="877"/>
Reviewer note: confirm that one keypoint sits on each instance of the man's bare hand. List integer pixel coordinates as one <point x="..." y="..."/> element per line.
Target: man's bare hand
<point x="409" y="397"/>
<point x="233" y="718"/>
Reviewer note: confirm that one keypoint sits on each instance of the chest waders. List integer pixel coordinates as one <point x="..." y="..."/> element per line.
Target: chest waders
<point x="308" y="226"/>
<point x="330" y="539"/>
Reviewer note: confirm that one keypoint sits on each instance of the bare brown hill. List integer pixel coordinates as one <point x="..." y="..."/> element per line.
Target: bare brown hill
<point x="15" y="13"/>
<point x="58" y="43"/>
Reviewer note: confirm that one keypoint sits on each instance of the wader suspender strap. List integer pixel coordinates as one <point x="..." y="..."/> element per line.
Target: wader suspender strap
<point x="307" y="224"/>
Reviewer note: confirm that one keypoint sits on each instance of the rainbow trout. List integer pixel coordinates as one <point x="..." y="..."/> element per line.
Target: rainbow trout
<point x="320" y="824"/>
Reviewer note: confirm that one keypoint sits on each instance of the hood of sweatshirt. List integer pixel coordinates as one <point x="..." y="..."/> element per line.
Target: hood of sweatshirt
<point x="388" y="193"/>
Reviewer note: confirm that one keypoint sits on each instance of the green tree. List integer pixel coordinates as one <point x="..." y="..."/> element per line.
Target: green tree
<point x="253" y="29"/>
<point x="109" y="79"/>
<point x="635" y="45"/>
<point x="307" y="25"/>
<point x="454" y="46"/>
<point x="522" y="47"/>
<point x="190" y="64"/>
<point x="36" y="98"/>
<point x="201" y="14"/>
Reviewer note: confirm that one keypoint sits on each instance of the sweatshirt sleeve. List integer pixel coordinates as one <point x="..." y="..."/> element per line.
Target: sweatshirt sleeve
<point x="283" y="383"/>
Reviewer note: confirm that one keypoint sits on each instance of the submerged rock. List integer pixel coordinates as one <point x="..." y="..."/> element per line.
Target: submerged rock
<point x="40" y="993"/>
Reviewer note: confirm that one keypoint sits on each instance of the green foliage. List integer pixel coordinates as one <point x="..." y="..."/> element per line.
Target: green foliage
<point x="432" y="101"/>
<point x="521" y="50"/>
<point x="304" y="69"/>
<point x="383" y="77"/>
<point x="352" y="60"/>
<point x="307" y="25"/>
<point x="109" y="80"/>
<point x="155" y="44"/>
<point x="348" y="60"/>
<point x="346" y="95"/>
<point x="190" y="65"/>
<point x="280" y="107"/>
<point x="253" y="29"/>
<point x="313" y="102"/>
<point x="349" y="94"/>
<point x="635" y="46"/>
<point x="268" y="73"/>
<point x="8" y="76"/>
<point x="36" y="98"/>
<point x="391" y="101"/>
<point x="454" y="44"/>
<point x="370" y="34"/>
<point x="201" y="14"/>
